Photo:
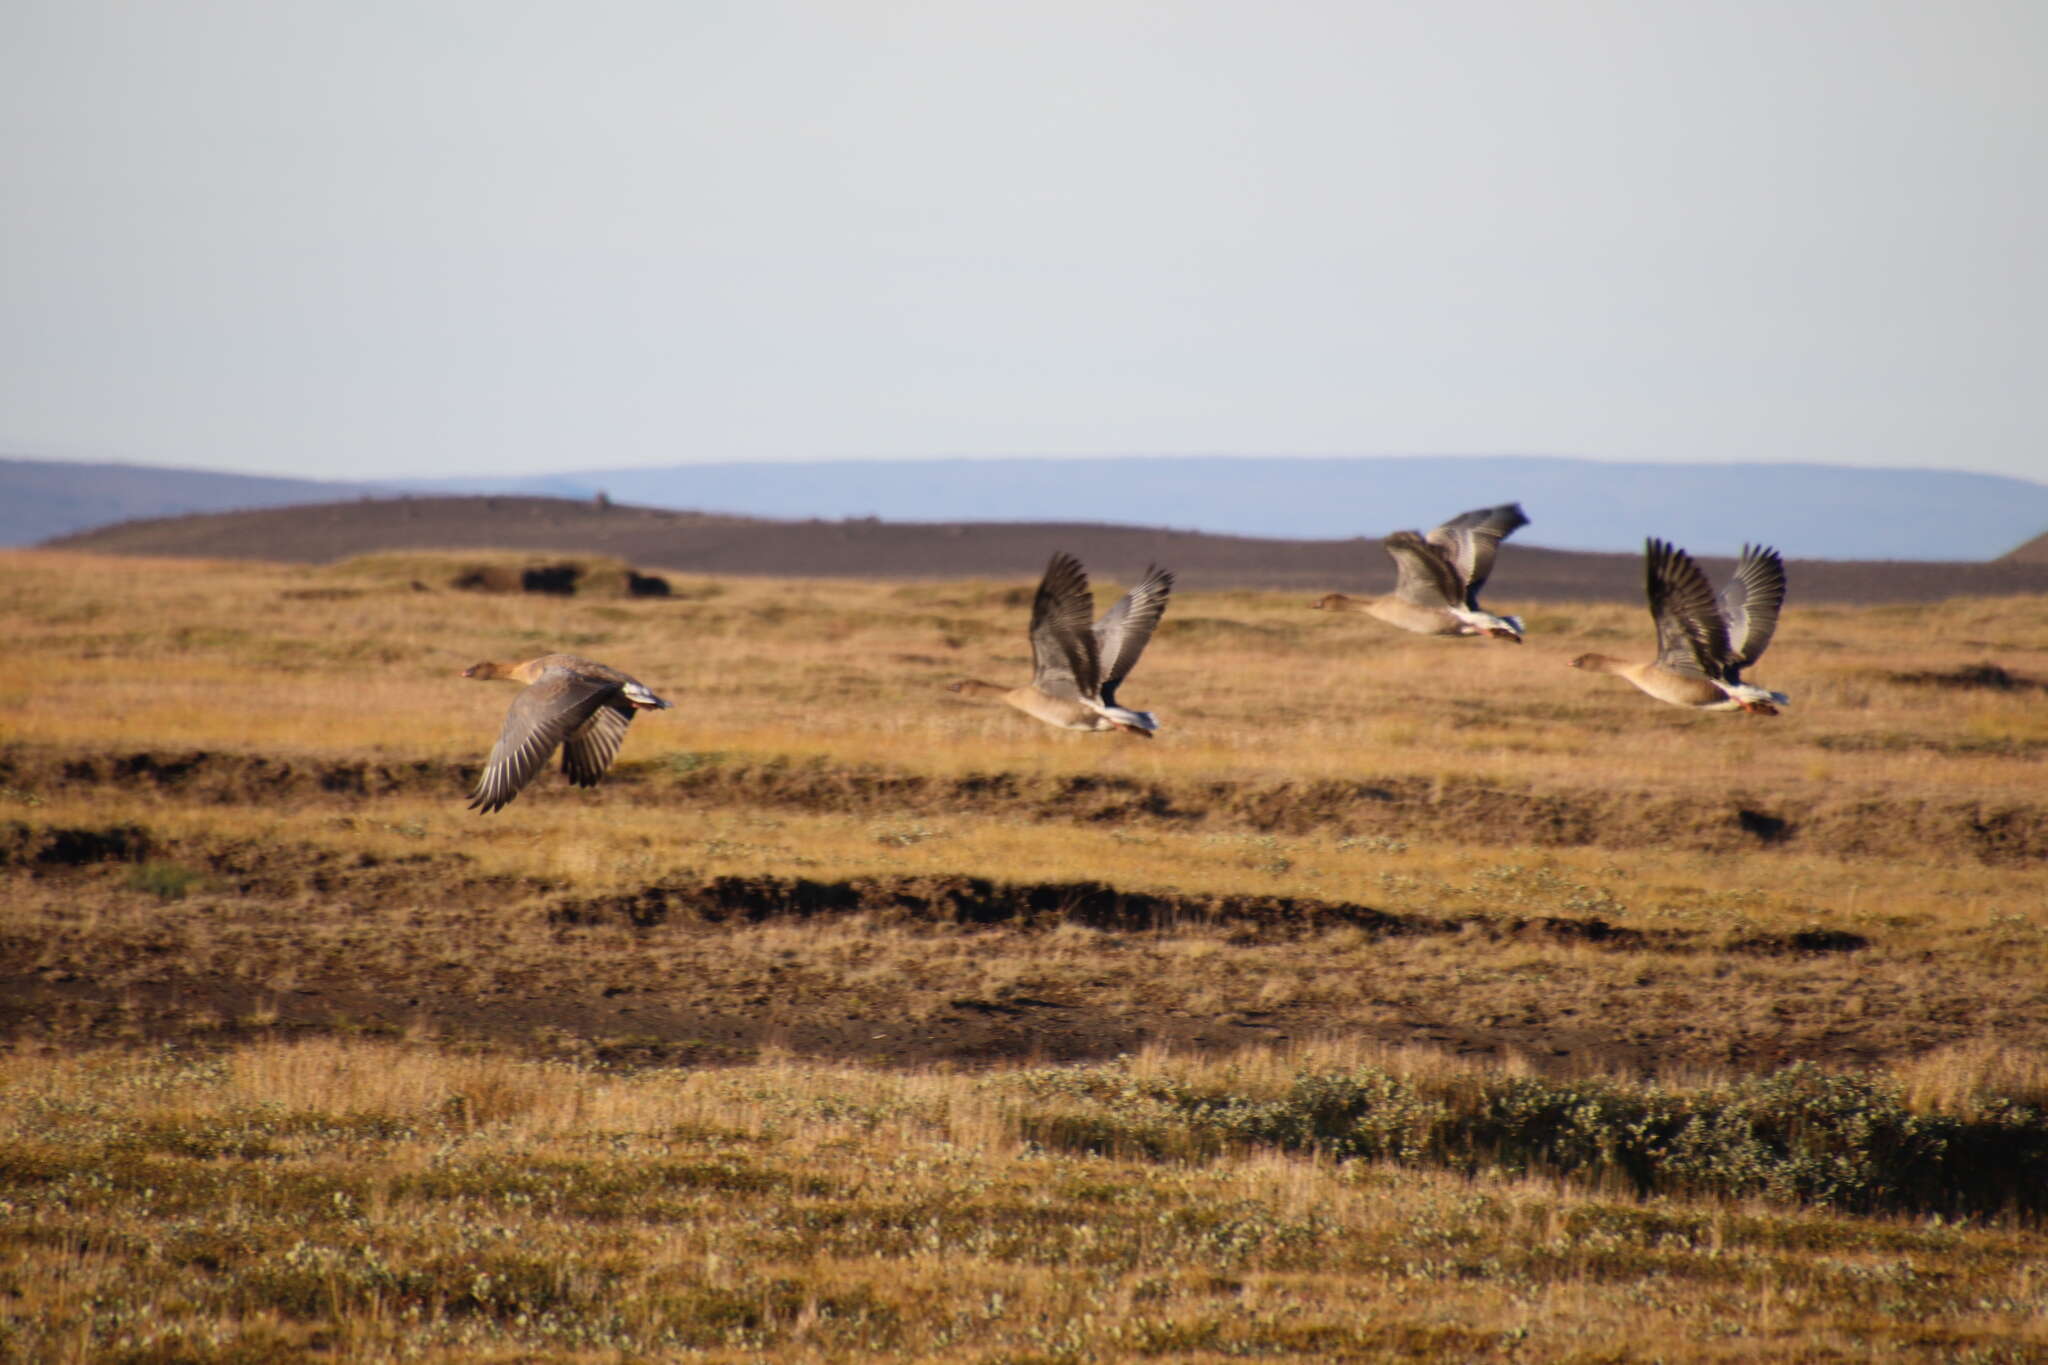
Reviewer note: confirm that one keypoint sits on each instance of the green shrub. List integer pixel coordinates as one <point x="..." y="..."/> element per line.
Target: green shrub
<point x="1799" y="1135"/>
<point x="165" y="881"/>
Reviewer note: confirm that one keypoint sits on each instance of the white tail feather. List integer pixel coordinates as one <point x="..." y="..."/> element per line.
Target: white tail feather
<point x="1751" y="692"/>
<point x="1137" y="720"/>
<point x="1485" y="622"/>
<point x="643" y="698"/>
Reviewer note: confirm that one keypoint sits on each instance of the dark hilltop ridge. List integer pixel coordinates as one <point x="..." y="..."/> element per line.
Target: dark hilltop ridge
<point x="1598" y="506"/>
<point x="1829" y="511"/>
<point x="701" y="543"/>
<point x="2034" y="551"/>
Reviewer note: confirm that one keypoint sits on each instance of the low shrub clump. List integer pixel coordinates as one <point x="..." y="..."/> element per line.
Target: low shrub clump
<point x="1800" y="1135"/>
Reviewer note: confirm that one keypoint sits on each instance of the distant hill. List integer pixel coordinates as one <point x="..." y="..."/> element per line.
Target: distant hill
<point x="44" y="498"/>
<point x="1811" y="511"/>
<point x="1814" y="511"/>
<point x="688" y="542"/>
<point x="320" y="533"/>
<point x="2034" y="551"/>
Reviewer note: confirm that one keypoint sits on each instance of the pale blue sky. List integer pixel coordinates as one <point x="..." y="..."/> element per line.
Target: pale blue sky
<point x="368" y="238"/>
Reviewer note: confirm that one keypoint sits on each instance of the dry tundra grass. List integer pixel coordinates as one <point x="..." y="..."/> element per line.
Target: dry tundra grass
<point x="376" y="1202"/>
<point x="431" y="1091"/>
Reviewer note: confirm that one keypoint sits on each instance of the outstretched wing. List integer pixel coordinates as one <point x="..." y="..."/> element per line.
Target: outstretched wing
<point x="1471" y="539"/>
<point x="1751" y="600"/>
<point x="1425" y="576"/>
<point x="1124" y="630"/>
<point x="541" y="717"/>
<point x="1691" y="636"/>
<point x="1064" y="658"/>
<point x="587" y="752"/>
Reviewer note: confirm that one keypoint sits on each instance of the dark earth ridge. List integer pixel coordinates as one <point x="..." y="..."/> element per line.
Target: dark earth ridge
<point x="1851" y="823"/>
<point x="699" y="543"/>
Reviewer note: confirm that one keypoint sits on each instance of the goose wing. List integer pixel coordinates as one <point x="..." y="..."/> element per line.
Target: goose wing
<point x="588" y="751"/>
<point x="1125" y="629"/>
<point x="1691" y="636"/>
<point x="1065" y="660"/>
<point x="1425" y="576"/>
<point x="635" y="692"/>
<point x="1471" y="539"/>
<point x="556" y="706"/>
<point x="1750" y="602"/>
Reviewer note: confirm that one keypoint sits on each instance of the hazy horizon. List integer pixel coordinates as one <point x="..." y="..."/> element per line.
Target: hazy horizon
<point x="1809" y="511"/>
<point x="590" y="471"/>
<point x="454" y="239"/>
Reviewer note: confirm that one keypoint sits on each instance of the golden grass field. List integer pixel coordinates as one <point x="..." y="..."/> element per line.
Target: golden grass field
<point x="1404" y="997"/>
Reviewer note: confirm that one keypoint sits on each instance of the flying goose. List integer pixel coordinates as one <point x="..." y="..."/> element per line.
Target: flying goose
<point x="1703" y="645"/>
<point x="582" y="706"/>
<point x="1438" y="577"/>
<point x="1075" y="667"/>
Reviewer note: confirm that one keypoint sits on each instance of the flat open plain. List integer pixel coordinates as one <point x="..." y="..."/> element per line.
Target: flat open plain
<point x="1403" y="997"/>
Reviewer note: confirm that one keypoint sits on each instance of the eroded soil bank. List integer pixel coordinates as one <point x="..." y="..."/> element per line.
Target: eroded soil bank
<point x="126" y="934"/>
<point x="1840" y="822"/>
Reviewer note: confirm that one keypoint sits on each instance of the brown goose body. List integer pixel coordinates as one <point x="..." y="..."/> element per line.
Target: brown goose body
<point x="1076" y="665"/>
<point x="1665" y="684"/>
<point x="1064" y="712"/>
<point x="1703" y="641"/>
<point x="577" y="705"/>
<point x="1438" y="578"/>
<point x="1397" y="612"/>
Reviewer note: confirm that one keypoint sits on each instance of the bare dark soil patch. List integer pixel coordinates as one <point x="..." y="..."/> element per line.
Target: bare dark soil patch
<point x="256" y="869"/>
<point x="24" y="844"/>
<point x="307" y="940"/>
<point x="558" y="580"/>
<point x="1842" y="823"/>
<point x="963" y="901"/>
<point x="1978" y="677"/>
<point x="122" y="932"/>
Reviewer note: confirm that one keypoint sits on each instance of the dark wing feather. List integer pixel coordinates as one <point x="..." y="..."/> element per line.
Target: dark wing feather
<point x="1691" y="636"/>
<point x="1426" y="577"/>
<point x="1064" y="658"/>
<point x="588" y="751"/>
<point x="1751" y="600"/>
<point x="541" y="717"/>
<point x="1471" y="539"/>
<point x="1125" y="629"/>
